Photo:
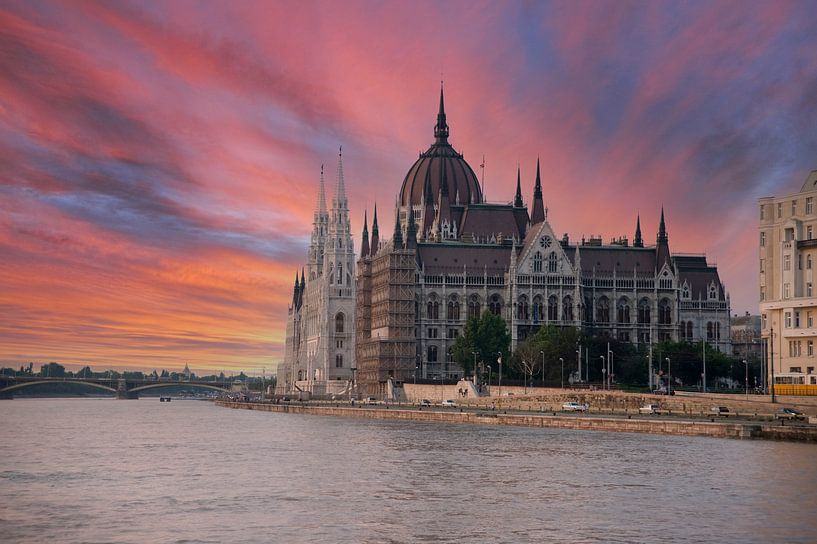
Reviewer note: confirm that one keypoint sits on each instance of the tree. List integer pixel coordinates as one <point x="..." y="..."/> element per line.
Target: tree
<point x="554" y="343"/>
<point x="487" y="336"/>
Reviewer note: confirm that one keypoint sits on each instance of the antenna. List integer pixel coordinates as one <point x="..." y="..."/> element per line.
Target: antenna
<point x="482" y="166"/>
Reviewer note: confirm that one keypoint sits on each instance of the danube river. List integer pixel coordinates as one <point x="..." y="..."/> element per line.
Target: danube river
<point x="103" y="470"/>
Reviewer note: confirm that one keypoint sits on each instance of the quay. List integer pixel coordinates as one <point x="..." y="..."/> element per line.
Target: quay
<point x="616" y="423"/>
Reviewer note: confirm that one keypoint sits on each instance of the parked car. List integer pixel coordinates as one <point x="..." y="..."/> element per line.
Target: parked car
<point x="719" y="411"/>
<point x="650" y="409"/>
<point x="449" y="403"/>
<point x="789" y="413"/>
<point x="370" y="400"/>
<point x="424" y="402"/>
<point x="285" y="399"/>
<point x="574" y="407"/>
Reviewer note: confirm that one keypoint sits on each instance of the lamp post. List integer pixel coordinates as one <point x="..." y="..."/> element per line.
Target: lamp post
<point x="499" y="361"/>
<point x="561" y="360"/>
<point x="669" y="376"/>
<point x="771" y="360"/>
<point x="542" y="353"/>
<point x="474" y="353"/>
<point x="579" y="361"/>
<point x="489" y="375"/>
<point x="704" y="361"/>
<point x="746" y="379"/>
<point x="603" y="371"/>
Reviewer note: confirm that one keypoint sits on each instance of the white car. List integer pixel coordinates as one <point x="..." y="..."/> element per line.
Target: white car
<point x="574" y="407"/>
<point x="450" y="403"/>
<point x="649" y="409"/>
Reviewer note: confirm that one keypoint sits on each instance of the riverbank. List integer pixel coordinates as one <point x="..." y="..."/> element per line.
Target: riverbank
<point x="663" y="425"/>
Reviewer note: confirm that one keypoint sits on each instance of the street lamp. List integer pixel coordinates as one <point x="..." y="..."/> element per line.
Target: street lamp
<point x="561" y="360"/>
<point x="603" y="370"/>
<point x="746" y="379"/>
<point x="543" y="367"/>
<point x="669" y="376"/>
<point x="474" y="353"/>
<point x="499" y="361"/>
<point x="579" y="362"/>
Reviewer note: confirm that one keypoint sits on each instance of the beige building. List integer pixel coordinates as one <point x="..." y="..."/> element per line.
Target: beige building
<point x="788" y="305"/>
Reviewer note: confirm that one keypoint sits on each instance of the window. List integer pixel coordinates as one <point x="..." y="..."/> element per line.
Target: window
<point x="453" y="308"/>
<point x="644" y="312"/>
<point x="762" y="239"/>
<point x="710" y="330"/>
<point x="567" y="308"/>
<point x="553" y="309"/>
<point x="762" y="212"/>
<point x="495" y="305"/>
<point x="432" y="332"/>
<point x="538" y="309"/>
<point x="453" y="333"/>
<point x="339" y="344"/>
<point x="786" y="262"/>
<point x="809" y="232"/>
<point x="762" y="265"/>
<point x="809" y="204"/>
<point x="786" y="291"/>
<point x="537" y="262"/>
<point x="809" y="289"/>
<point x="809" y="320"/>
<point x="762" y="294"/>
<point x="810" y="348"/>
<point x="433" y="309"/>
<point x="552" y="261"/>
<point x="623" y="311"/>
<point x="603" y="310"/>
<point x="788" y="235"/>
<point x="685" y="291"/>
<point x="432" y="354"/>
<point x="522" y="308"/>
<point x="339" y="319"/>
<point x="794" y="207"/>
<point x="664" y="312"/>
<point x="779" y="210"/>
<point x="473" y="307"/>
<point x="689" y="330"/>
<point x="763" y="320"/>
<point x="338" y="361"/>
<point x="808" y="262"/>
<point x="340" y="273"/>
<point x="787" y="317"/>
<point x="797" y="319"/>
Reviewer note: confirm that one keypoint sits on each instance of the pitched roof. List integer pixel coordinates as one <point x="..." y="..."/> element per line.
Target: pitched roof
<point x="450" y="258"/>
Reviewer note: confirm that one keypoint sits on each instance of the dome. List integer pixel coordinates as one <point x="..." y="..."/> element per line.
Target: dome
<point x="440" y="162"/>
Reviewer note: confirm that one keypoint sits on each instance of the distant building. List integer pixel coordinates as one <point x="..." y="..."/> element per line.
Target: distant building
<point x="454" y="255"/>
<point x="788" y="306"/>
<point x="320" y="334"/>
<point x="745" y="333"/>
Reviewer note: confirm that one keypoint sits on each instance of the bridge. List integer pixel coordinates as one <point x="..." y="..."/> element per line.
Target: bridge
<point x="121" y="387"/>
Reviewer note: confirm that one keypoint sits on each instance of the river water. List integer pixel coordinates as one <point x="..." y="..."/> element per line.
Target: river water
<point x="103" y="470"/>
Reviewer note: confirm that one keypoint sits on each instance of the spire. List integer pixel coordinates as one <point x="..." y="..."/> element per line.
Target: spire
<point x="411" y="230"/>
<point x="441" y="128"/>
<point x="662" y="229"/>
<point x="321" y="206"/>
<point x="339" y="199"/>
<point x="375" y="234"/>
<point x="398" y="231"/>
<point x="364" y="245"/>
<point x="538" y="214"/>
<point x="517" y="201"/>
<point x="638" y="241"/>
<point x="295" y="291"/>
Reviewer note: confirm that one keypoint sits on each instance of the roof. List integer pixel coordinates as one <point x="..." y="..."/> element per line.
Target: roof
<point x="451" y="258"/>
<point x="622" y="259"/>
<point x="694" y="270"/>
<point x="493" y="219"/>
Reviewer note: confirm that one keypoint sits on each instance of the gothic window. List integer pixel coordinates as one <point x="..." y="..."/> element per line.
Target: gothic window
<point x="717" y="331"/>
<point x="473" y="307"/>
<point x="300" y="375"/>
<point x="623" y="311"/>
<point x="567" y="308"/>
<point x="495" y="305"/>
<point x="685" y="292"/>
<point x="644" y="312"/>
<point x="689" y="330"/>
<point x="709" y="331"/>
<point x="338" y="361"/>
<point x="538" y="309"/>
<point x="339" y="319"/>
<point x="664" y="312"/>
<point x="453" y="308"/>
<point x="340" y="273"/>
<point x="432" y="354"/>
<point x="603" y="310"/>
<point x="682" y="331"/>
<point x="537" y="262"/>
<point x="552" y="260"/>
<point x="553" y="308"/>
<point x="522" y="308"/>
<point x="433" y="308"/>
<point x="713" y="292"/>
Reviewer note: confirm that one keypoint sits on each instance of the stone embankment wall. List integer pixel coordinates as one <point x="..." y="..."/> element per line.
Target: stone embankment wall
<point x="719" y="429"/>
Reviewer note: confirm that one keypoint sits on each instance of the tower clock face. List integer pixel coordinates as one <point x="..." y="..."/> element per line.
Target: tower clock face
<point x="545" y="241"/>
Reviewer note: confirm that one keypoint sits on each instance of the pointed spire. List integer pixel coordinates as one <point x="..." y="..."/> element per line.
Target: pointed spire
<point x="538" y="214"/>
<point x="517" y="201"/>
<point x="375" y="234"/>
<point x="638" y="241"/>
<point x="339" y="199"/>
<point x="364" y="244"/>
<point x="411" y="230"/>
<point x="441" y="128"/>
<point x="295" y="291"/>
<point x="398" y="231"/>
<point x="662" y="229"/>
<point x="320" y="207"/>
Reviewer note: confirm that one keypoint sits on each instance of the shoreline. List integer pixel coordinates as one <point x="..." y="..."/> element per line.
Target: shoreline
<point x="678" y="427"/>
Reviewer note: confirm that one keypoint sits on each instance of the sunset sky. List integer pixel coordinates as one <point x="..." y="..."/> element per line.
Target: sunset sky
<point x="159" y="162"/>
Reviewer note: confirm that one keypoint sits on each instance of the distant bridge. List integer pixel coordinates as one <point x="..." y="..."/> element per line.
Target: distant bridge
<point x="123" y="388"/>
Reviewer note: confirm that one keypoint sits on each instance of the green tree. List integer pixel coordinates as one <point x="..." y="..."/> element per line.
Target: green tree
<point x="546" y="347"/>
<point x="487" y="336"/>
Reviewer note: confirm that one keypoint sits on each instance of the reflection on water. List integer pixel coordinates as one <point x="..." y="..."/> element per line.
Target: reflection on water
<point x="145" y="471"/>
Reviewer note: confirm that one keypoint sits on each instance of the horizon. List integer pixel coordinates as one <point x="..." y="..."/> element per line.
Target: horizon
<point x="161" y="162"/>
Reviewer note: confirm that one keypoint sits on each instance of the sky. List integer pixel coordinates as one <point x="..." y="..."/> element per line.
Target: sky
<point x="159" y="162"/>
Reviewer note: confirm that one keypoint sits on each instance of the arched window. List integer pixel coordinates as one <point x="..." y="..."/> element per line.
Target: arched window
<point x="553" y="308"/>
<point x="644" y="312"/>
<point x="473" y="307"/>
<point x="537" y="262"/>
<point x="664" y="312"/>
<point x="567" y="308"/>
<point x="495" y="305"/>
<point x="453" y="308"/>
<point x="717" y="331"/>
<point x="339" y="361"/>
<point x="552" y="261"/>
<point x="623" y="311"/>
<point x="709" y="331"/>
<point x="685" y="291"/>
<point x="300" y="375"/>
<point x="433" y="308"/>
<point x="538" y="309"/>
<point x="713" y="292"/>
<point x="340" y="274"/>
<point x="522" y="308"/>
<point x="432" y="354"/>
<point x="603" y="310"/>
<point x="339" y="321"/>
<point x="689" y="330"/>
